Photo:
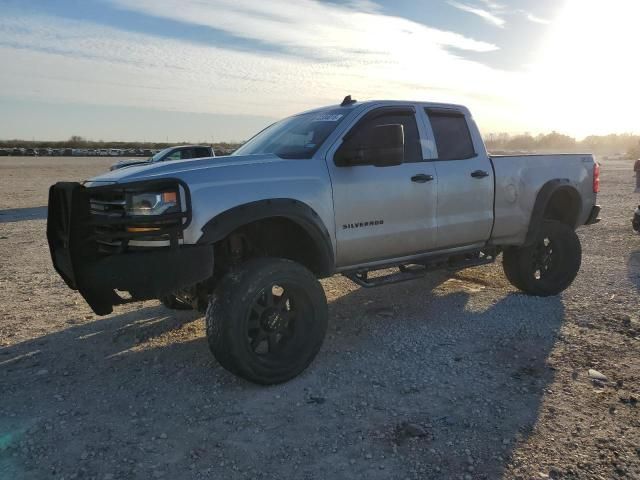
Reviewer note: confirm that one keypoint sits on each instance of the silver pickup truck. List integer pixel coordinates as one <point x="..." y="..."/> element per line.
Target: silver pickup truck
<point x="379" y="191"/>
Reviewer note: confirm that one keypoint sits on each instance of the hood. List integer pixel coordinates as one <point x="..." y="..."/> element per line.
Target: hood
<point x="128" y="162"/>
<point x="176" y="167"/>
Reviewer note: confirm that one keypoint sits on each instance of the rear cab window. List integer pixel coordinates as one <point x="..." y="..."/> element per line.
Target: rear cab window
<point x="452" y="135"/>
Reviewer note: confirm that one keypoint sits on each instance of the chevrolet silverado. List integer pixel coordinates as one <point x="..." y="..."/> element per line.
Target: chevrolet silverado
<point x="378" y="191"/>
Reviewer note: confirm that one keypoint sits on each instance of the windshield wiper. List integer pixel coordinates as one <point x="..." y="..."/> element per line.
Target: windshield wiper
<point x="293" y="156"/>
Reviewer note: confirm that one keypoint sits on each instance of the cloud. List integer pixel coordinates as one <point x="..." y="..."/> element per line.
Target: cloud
<point x="488" y="16"/>
<point x="305" y="26"/>
<point x="494" y="13"/>
<point x="325" y="52"/>
<point x="532" y="18"/>
<point x="493" y="5"/>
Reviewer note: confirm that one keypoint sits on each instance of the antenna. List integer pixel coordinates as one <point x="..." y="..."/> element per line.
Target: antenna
<point x="347" y="101"/>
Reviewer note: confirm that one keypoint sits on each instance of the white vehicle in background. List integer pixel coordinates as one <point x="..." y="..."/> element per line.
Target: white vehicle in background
<point x="181" y="152"/>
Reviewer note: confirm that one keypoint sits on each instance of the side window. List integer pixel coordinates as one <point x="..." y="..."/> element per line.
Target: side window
<point x="174" y="156"/>
<point x="452" y="136"/>
<point x="186" y="153"/>
<point x="201" y="152"/>
<point x="361" y="134"/>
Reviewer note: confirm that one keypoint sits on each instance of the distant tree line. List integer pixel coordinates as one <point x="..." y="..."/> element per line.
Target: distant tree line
<point x="625" y="144"/>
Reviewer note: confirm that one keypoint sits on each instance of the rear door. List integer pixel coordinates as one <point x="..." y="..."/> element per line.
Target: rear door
<point x="384" y="212"/>
<point x="465" y="187"/>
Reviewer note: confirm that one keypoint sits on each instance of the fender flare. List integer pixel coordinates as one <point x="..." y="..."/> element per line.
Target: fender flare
<point x="299" y="212"/>
<point x="542" y="200"/>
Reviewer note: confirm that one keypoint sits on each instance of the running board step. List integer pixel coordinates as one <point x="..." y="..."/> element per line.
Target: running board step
<point x="412" y="271"/>
<point x="404" y="274"/>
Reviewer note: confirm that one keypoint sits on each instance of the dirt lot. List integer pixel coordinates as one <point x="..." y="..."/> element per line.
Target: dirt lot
<point x="459" y="378"/>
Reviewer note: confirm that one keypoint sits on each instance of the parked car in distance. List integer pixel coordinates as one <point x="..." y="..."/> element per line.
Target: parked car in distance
<point x="31" y="152"/>
<point x="17" y="151"/>
<point x="4" y="152"/>
<point x="182" y="152"/>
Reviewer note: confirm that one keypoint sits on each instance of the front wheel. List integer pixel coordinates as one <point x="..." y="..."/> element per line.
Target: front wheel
<point x="267" y="320"/>
<point x="547" y="267"/>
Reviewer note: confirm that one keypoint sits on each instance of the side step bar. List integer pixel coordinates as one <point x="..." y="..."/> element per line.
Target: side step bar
<point x="419" y="269"/>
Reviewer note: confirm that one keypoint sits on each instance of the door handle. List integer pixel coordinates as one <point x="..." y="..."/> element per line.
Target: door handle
<point x="422" y="178"/>
<point x="479" y="174"/>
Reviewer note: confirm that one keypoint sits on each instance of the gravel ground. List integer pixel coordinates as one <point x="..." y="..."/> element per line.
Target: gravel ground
<point x="458" y="377"/>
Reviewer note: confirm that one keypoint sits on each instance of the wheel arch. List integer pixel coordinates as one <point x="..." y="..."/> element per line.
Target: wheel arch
<point x="303" y="221"/>
<point x="557" y="200"/>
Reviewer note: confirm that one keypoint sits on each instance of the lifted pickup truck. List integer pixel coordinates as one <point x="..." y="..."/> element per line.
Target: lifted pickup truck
<point x="356" y="189"/>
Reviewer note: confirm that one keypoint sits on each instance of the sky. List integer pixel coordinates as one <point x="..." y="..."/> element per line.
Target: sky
<point x="220" y="70"/>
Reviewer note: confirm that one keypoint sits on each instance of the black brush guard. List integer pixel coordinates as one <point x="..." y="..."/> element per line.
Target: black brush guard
<point x="74" y="240"/>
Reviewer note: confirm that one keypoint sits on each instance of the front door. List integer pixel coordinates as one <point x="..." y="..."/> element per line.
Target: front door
<point x="383" y="213"/>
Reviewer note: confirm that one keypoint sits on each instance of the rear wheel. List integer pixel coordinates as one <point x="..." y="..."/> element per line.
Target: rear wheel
<point x="267" y="320"/>
<point x="549" y="265"/>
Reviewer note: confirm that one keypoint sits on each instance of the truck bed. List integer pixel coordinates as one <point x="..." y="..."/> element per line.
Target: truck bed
<point x="519" y="179"/>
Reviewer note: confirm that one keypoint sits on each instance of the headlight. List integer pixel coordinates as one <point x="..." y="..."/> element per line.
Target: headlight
<point x="153" y="203"/>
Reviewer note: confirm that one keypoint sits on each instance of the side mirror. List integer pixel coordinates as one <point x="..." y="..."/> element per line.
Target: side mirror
<point x="386" y="146"/>
<point x="382" y="146"/>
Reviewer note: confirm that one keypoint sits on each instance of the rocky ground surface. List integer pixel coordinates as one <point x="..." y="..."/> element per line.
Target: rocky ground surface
<point x="460" y="377"/>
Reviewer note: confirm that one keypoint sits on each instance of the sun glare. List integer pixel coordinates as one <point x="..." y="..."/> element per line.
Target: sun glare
<point x="585" y="77"/>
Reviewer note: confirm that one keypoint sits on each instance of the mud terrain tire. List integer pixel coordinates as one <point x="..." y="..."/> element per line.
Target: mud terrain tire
<point x="267" y="320"/>
<point x="549" y="265"/>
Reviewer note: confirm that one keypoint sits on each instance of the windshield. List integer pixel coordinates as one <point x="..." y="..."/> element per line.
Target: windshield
<point x="295" y="137"/>
<point x="159" y="155"/>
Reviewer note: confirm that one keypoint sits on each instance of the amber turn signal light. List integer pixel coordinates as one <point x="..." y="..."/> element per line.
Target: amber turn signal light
<point x="142" y="229"/>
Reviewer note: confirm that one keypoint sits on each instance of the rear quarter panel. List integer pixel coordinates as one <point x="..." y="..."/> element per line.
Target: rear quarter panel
<point x="519" y="179"/>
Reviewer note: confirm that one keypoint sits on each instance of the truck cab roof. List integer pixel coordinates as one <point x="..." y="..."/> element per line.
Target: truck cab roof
<point x="383" y="103"/>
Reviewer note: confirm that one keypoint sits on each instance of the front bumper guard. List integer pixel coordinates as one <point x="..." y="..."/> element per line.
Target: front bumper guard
<point x="74" y="246"/>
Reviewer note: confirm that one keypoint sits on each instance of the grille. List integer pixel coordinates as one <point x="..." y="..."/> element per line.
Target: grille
<point x="108" y="206"/>
<point x="110" y="222"/>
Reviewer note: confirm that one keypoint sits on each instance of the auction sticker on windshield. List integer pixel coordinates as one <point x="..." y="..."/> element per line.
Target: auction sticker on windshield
<point x="326" y="117"/>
